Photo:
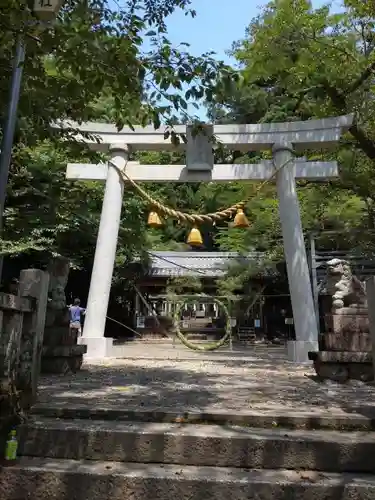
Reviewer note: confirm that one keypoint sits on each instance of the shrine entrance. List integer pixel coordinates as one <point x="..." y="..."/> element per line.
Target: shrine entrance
<point x="285" y="140"/>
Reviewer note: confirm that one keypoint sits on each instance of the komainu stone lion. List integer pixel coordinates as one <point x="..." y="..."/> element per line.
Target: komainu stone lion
<point x="346" y="289"/>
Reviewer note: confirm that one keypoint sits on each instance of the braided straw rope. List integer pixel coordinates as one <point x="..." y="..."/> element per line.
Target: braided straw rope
<point x="199" y="347"/>
<point x="195" y="219"/>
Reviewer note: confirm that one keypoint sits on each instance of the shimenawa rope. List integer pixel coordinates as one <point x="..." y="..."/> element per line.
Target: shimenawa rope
<point x="198" y="219"/>
<point x="195" y="218"/>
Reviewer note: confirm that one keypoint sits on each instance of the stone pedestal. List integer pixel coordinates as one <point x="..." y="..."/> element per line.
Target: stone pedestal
<point x="347" y="347"/>
<point x="342" y="366"/>
<point x="348" y="330"/>
<point x="60" y="352"/>
<point x="62" y="359"/>
<point x="348" y="319"/>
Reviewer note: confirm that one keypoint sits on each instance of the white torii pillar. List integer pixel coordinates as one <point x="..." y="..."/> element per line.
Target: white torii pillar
<point x="304" y="314"/>
<point x="282" y="138"/>
<point x="99" y="346"/>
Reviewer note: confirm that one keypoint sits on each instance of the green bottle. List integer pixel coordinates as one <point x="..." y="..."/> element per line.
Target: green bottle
<point x="11" y="447"/>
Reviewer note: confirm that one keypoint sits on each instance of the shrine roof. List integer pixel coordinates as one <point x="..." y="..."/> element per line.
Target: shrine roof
<point x="199" y="264"/>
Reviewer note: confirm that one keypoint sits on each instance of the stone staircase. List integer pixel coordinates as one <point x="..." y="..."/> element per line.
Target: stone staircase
<point x="104" y="454"/>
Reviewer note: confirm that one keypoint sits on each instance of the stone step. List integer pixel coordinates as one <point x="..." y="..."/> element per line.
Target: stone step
<point x="256" y="418"/>
<point x="199" y="445"/>
<point x="50" y="479"/>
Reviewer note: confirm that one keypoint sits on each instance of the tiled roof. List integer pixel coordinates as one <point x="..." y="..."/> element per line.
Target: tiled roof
<point x="204" y="264"/>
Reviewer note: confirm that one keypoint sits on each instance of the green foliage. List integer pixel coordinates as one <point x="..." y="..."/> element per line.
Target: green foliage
<point x="183" y="285"/>
<point x="98" y="61"/>
<point x="96" y="50"/>
<point x="320" y="63"/>
<point x="297" y="63"/>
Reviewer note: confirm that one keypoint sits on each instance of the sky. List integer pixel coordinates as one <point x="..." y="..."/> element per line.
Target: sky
<point x="217" y="25"/>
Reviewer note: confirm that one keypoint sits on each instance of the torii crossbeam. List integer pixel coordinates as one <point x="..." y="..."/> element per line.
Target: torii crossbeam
<point x="282" y="138"/>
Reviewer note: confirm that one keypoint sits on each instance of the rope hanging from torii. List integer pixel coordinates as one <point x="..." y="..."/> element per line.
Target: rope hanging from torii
<point x="196" y="219"/>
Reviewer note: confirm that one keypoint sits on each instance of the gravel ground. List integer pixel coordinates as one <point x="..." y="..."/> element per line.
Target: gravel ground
<point x="160" y="377"/>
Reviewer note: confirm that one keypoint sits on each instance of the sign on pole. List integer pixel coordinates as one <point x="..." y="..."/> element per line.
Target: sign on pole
<point x="46" y="10"/>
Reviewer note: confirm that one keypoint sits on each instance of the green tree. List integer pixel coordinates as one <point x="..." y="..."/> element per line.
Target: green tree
<point x="99" y="61"/>
<point x="299" y="63"/>
<point x="323" y="62"/>
<point x="98" y="49"/>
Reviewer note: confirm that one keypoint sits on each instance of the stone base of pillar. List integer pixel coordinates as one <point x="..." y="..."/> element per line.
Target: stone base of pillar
<point x="62" y="359"/>
<point x="298" y="350"/>
<point x="97" y="347"/>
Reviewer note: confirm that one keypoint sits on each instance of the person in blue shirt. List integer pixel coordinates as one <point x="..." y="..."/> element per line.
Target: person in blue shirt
<point x="75" y="312"/>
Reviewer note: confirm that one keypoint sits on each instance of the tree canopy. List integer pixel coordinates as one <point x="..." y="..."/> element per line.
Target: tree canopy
<point x="111" y="63"/>
<point x="98" y="61"/>
<point x="298" y="63"/>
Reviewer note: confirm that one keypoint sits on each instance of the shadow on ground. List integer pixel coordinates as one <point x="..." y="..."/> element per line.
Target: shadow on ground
<point x="258" y="380"/>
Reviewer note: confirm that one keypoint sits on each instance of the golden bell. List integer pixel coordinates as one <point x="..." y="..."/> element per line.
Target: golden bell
<point x="240" y="220"/>
<point x="195" y="238"/>
<point x="154" y="220"/>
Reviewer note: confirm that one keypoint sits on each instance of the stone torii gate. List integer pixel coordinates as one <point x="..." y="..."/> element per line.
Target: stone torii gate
<point x="282" y="138"/>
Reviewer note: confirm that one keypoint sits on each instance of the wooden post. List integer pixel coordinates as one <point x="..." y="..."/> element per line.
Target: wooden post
<point x="370" y="292"/>
<point x="34" y="283"/>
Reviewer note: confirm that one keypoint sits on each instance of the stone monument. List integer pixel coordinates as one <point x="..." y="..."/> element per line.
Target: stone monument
<point x="61" y="354"/>
<point x="347" y="341"/>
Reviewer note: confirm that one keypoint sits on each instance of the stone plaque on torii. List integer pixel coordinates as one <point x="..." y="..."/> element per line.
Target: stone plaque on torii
<point x="282" y="138"/>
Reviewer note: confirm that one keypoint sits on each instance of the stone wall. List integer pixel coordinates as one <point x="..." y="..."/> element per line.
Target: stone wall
<point x="22" y="321"/>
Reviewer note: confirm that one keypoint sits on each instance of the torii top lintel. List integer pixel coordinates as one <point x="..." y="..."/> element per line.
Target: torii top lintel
<point x="302" y="135"/>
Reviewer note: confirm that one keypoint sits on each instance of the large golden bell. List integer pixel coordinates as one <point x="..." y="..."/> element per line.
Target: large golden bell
<point x="154" y="220"/>
<point x="195" y="238"/>
<point x="240" y="220"/>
